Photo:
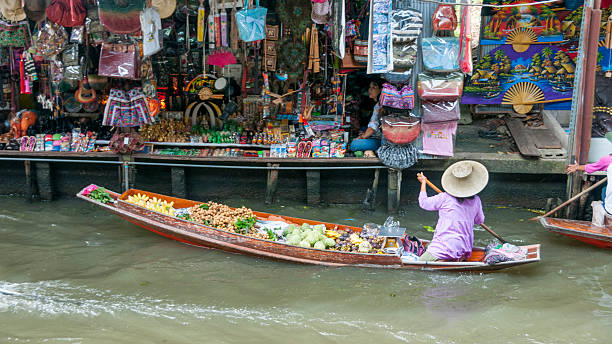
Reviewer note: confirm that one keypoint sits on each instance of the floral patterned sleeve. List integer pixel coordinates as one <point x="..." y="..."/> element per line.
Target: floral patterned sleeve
<point x="374" y="123"/>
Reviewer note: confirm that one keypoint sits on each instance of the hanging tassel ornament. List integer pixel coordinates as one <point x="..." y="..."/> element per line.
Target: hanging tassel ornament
<point x="223" y="26"/>
<point x="201" y="21"/>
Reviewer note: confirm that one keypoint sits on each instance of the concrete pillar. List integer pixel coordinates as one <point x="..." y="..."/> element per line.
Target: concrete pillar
<point x="44" y="180"/>
<point x="313" y="187"/>
<point x="272" y="183"/>
<point x="179" y="184"/>
<point x="394" y="190"/>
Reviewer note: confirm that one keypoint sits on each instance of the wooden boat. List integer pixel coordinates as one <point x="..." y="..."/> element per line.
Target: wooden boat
<point x="205" y="236"/>
<point x="580" y="230"/>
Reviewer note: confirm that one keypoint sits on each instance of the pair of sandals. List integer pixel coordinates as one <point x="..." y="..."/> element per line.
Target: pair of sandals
<point x="304" y="148"/>
<point x="27" y="144"/>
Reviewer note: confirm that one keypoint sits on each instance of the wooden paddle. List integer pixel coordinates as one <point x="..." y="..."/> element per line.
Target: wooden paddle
<point x="503" y="241"/>
<point x="571" y="199"/>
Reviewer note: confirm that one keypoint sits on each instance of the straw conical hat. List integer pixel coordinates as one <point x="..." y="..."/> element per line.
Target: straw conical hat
<point x="465" y="178"/>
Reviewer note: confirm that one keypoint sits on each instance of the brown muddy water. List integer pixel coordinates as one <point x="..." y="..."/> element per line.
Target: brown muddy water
<point x="73" y="273"/>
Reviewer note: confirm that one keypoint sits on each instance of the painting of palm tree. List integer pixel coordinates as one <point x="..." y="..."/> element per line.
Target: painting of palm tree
<point x="547" y="53"/>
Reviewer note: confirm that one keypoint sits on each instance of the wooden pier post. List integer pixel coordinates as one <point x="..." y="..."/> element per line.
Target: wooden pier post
<point x="313" y="187"/>
<point x="29" y="187"/>
<point x="44" y="181"/>
<point x="179" y="185"/>
<point x="394" y="190"/>
<point x="272" y="183"/>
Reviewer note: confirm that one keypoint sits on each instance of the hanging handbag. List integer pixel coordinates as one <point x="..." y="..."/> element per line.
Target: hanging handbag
<point x="400" y="129"/>
<point x="440" y="87"/>
<point x="440" y="54"/>
<point x="68" y="13"/>
<point x="398" y="99"/>
<point x="252" y="22"/>
<point x="439" y="111"/>
<point x="119" y="60"/>
<point x="444" y="18"/>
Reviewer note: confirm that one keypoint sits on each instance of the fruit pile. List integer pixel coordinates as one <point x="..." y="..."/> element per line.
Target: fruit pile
<point x="154" y="204"/>
<point x="308" y="236"/>
<point x="239" y="220"/>
<point x="354" y="242"/>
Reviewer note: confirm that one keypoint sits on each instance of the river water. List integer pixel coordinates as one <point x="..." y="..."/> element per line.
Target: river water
<point x="73" y="273"/>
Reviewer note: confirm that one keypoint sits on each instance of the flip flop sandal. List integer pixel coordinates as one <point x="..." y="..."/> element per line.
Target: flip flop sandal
<point x="23" y="144"/>
<point x="31" y="143"/>
<point x="300" y="150"/>
<point x="307" y="149"/>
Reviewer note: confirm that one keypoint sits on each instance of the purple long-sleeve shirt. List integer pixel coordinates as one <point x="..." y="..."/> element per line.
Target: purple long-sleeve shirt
<point x="454" y="235"/>
<point x="601" y="165"/>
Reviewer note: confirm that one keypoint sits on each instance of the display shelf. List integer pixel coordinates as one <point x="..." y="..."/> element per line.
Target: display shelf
<point x="193" y="144"/>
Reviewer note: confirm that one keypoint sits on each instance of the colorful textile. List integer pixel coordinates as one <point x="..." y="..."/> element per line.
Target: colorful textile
<point x="454" y="234"/>
<point x="126" y="109"/>
<point x="397" y="99"/>
<point x="380" y="42"/>
<point x="495" y="253"/>
<point x="438" y="138"/>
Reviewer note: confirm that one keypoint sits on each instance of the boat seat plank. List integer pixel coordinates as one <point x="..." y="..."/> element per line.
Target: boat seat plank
<point x="545" y="139"/>
<point x="523" y="139"/>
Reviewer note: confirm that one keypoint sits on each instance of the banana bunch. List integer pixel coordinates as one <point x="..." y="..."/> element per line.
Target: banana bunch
<point x="138" y="199"/>
<point x="155" y="204"/>
<point x="332" y="234"/>
<point x="355" y="239"/>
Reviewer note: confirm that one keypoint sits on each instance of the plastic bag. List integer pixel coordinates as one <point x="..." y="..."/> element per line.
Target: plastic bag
<point x="76" y="36"/>
<point x="119" y="61"/>
<point x="440" y="111"/>
<point x="440" y="54"/>
<point x="50" y="40"/>
<point x="440" y="87"/>
<point x="406" y="24"/>
<point x="252" y="22"/>
<point x="404" y="54"/>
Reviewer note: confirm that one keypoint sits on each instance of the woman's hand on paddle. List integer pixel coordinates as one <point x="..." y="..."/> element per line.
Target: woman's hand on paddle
<point x="421" y="177"/>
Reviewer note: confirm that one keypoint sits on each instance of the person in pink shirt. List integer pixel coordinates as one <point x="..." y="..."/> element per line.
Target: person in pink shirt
<point x="602" y="165"/>
<point x="459" y="209"/>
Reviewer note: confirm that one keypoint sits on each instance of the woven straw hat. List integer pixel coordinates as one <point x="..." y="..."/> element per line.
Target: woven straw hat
<point x="465" y="178"/>
<point x="12" y="10"/>
<point x="164" y="7"/>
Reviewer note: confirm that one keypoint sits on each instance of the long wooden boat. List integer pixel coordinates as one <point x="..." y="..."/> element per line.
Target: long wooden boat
<point x="205" y="236"/>
<point x="580" y="230"/>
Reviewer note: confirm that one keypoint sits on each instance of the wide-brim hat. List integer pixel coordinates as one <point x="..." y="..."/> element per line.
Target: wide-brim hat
<point x="12" y="10"/>
<point x="120" y="16"/>
<point x="465" y="178"/>
<point x="164" y="7"/>
<point x="36" y="10"/>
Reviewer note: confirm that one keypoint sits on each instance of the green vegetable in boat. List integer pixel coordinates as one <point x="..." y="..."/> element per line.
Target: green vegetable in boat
<point x="319" y="245"/>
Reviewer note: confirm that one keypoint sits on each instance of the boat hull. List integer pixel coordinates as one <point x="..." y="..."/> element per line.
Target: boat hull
<point x="580" y="230"/>
<point x="205" y="236"/>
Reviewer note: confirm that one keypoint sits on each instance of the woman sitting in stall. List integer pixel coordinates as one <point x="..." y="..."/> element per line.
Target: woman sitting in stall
<point x="459" y="209"/>
<point x="370" y="139"/>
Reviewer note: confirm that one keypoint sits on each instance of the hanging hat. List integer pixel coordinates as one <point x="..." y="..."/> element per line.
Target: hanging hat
<point x="120" y="16"/>
<point x="465" y="178"/>
<point x="164" y="7"/>
<point x="12" y="10"/>
<point x="35" y="10"/>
